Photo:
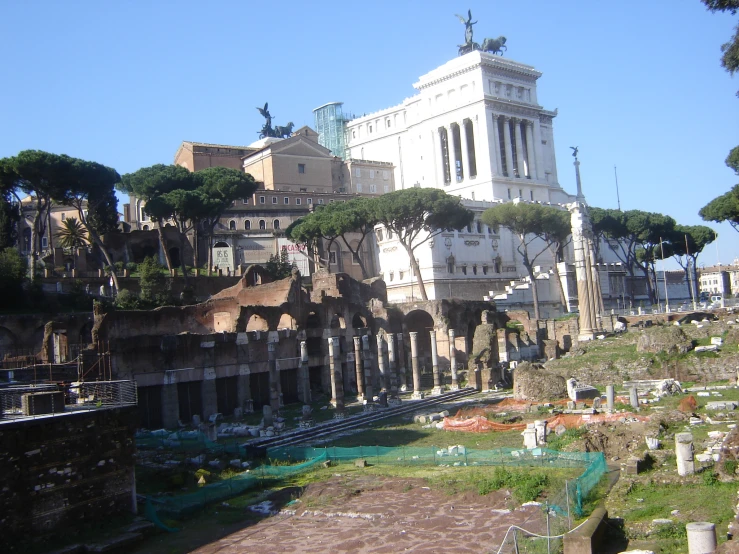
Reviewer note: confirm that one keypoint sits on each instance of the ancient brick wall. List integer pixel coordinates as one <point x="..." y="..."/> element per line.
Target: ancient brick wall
<point x="66" y="471"/>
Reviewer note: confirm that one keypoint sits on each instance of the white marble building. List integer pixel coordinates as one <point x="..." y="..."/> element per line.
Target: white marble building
<point x="475" y="129"/>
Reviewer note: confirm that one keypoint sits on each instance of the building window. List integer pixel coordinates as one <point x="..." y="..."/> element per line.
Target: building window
<point x="474" y="269"/>
<point x="44" y="242"/>
<point x="450" y="264"/>
<point x="303" y="189"/>
<point x="247" y="225"/>
<point x="520" y="193"/>
<point x="276" y="224"/>
<point x="146" y="228"/>
<point x="379" y="235"/>
<point x="354" y="134"/>
<point x="464" y="269"/>
<point x="246" y="200"/>
<point x="392" y="274"/>
<point x="262" y="224"/>
<point x="387" y="189"/>
<point x="297" y="201"/>
<point x="286" y="200"/>
<point x="261" y="199"/>
<point x="359" y="187"/>
<point x="387" y="123"/>
<point x="509" y="194"/>
<point x="332" y="258"/>
<point x="531" y="195"/>
<point x="373" y="188"/>
<point x="64" y="216"/>
<point x="484" y="270"/>
<point x="331" y="201"/>
<point x="372" y="173"/>
<point x="389" y="234"/>
<point x="370" y="129"/>
<point x="400" y="275"/>
<point x="232" y="225"/>
<point x="144" y="216"/>
<point x="320" y="200"/>
<point x="358" y="172"/>
<point x="385" y="175"/>
<point x="310" y="201"/>
<point x="301" y="168"/>
<point x="274" y="200"/>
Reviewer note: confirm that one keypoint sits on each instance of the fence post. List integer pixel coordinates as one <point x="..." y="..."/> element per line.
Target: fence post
<point x="549" y="548"/>
<point x="515" y="539"/>
<point x="377" y="454"/>
<point x="567" y="496"/>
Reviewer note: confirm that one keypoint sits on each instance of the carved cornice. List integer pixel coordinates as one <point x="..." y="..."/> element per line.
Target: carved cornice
<point x="505" y="107"/>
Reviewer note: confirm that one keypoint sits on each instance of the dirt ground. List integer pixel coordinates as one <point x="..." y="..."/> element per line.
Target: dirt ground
<point x="382" y="515"/>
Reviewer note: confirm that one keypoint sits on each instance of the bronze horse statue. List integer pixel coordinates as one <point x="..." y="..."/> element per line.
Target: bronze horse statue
<point x="494" y="45"/>
<point x="284" y="131"/>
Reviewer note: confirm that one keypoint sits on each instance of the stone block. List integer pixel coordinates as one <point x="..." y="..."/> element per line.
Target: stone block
<point x="360" y="463"/>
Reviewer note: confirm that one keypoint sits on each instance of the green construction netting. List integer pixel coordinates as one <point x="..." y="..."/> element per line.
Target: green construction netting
<point x="304" y="458"/>
<point x="185" y="441"/>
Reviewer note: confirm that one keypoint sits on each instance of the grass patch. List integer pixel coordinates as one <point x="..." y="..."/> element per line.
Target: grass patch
<point x="559" y="442"/>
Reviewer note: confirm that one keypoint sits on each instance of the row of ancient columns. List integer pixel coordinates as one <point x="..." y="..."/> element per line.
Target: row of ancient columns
<point x="526" y="160"/>
<point x="392" y="375"/>
<point x="448" y="163"/>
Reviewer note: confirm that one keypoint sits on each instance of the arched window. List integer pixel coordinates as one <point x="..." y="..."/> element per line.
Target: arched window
<point x="262" y="224"/>
<point x="232" y="225"/>
<point x="146" y="227"/>
<point x="479" y="227"/>
<point x="379" y="235"/>
<point x="247" y="224"/>
<point x="276" y="224"/>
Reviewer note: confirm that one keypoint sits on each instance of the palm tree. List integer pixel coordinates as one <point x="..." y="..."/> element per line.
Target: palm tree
<point x="72" y="234"/>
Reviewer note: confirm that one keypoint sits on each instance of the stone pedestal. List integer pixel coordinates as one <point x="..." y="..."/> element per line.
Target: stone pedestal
<point x="474" y="379"/>
<point x="529" y="437"/>
<point x="267" y="414"/>
<point x="208" y="392"/>
<point x="415" y="366"/>
<point x="701" y="537"/>
<point x="684" y="453"/>
<point x="453" y="360"/>
<point x="435" y="365"/>
<point x="610" y="397"/>
<point x="540" y="426"/>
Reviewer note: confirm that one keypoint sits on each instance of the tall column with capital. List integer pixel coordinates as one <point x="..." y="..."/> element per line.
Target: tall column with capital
<point x="367" y="369"/>
<point x="530" y="150"/>
<point x="381" y="362"/>
<point x="402" y="376"/>
<point x="519" y="149"/>
<point x="465" y="161"/>
<point x="274" y="377"/>
<point x="304" y="374"/>
<point x="337" y="384"/>
<point x="392" y="364"/>
<point x="358" y="366"/>
<point x="453" y="360"/>
<point x="494" y="139"/>
<point x="439" y="157"/>
<point x="415" y="366"/>
<point x="538" y="151"/>
<point x="507" y="145"/>
<point x="435" y="363"/>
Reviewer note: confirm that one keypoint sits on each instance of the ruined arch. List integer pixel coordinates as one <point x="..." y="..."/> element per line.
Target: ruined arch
<point x="337" y="322"/>
<point x="313" y="321"/>
<point x="359" y="321"/>
<point x="287" y="322"/>
<point x="257" y="323"/>
<point x="421" y="322"/>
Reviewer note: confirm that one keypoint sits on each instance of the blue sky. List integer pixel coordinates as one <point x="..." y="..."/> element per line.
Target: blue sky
<point x="638" y="84"/>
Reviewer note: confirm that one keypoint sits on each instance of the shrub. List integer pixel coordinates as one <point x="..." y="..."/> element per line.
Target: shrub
<point x="131" y="266"/>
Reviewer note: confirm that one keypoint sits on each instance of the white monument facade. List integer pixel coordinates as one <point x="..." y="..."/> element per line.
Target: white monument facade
<point x="476" y="130"/>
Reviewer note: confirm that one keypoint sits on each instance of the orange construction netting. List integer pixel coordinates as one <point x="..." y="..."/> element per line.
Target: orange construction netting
<point x="480" y="424"/>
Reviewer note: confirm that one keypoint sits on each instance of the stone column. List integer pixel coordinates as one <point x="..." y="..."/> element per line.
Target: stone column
<point x="337" y="384"/>
<point x="610" y="397"/>
<point x="208" y="393"/>
<point x="402" y="375"/>
<point x="304" y="374"/>
<point x="170" y="406"/>
<point x="581" y="232"/>
<point x="634" y="397"/>
<point x="530" y="150"/>
<point x="519" y="148"/>
<point x="684" y="454"/>
<point x="701" y="537"/>
<point x="274" y="377"/>
<point x="435" y="364"/>
<point x="392" y="363"/>
<point x="507" y="145"/>
<point x="367" y="369"/>
<point x="453" y="360"/>
<point x="496" y="145"/>
<point x="465" y="154"/>
<point x="381" y="362"/>
<point x="415" y="367"/>
<point x="541" y="431"/>
<point x="358" y="367"/>
<point x="537" y="150"/>
<point x="439" y="157"/>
